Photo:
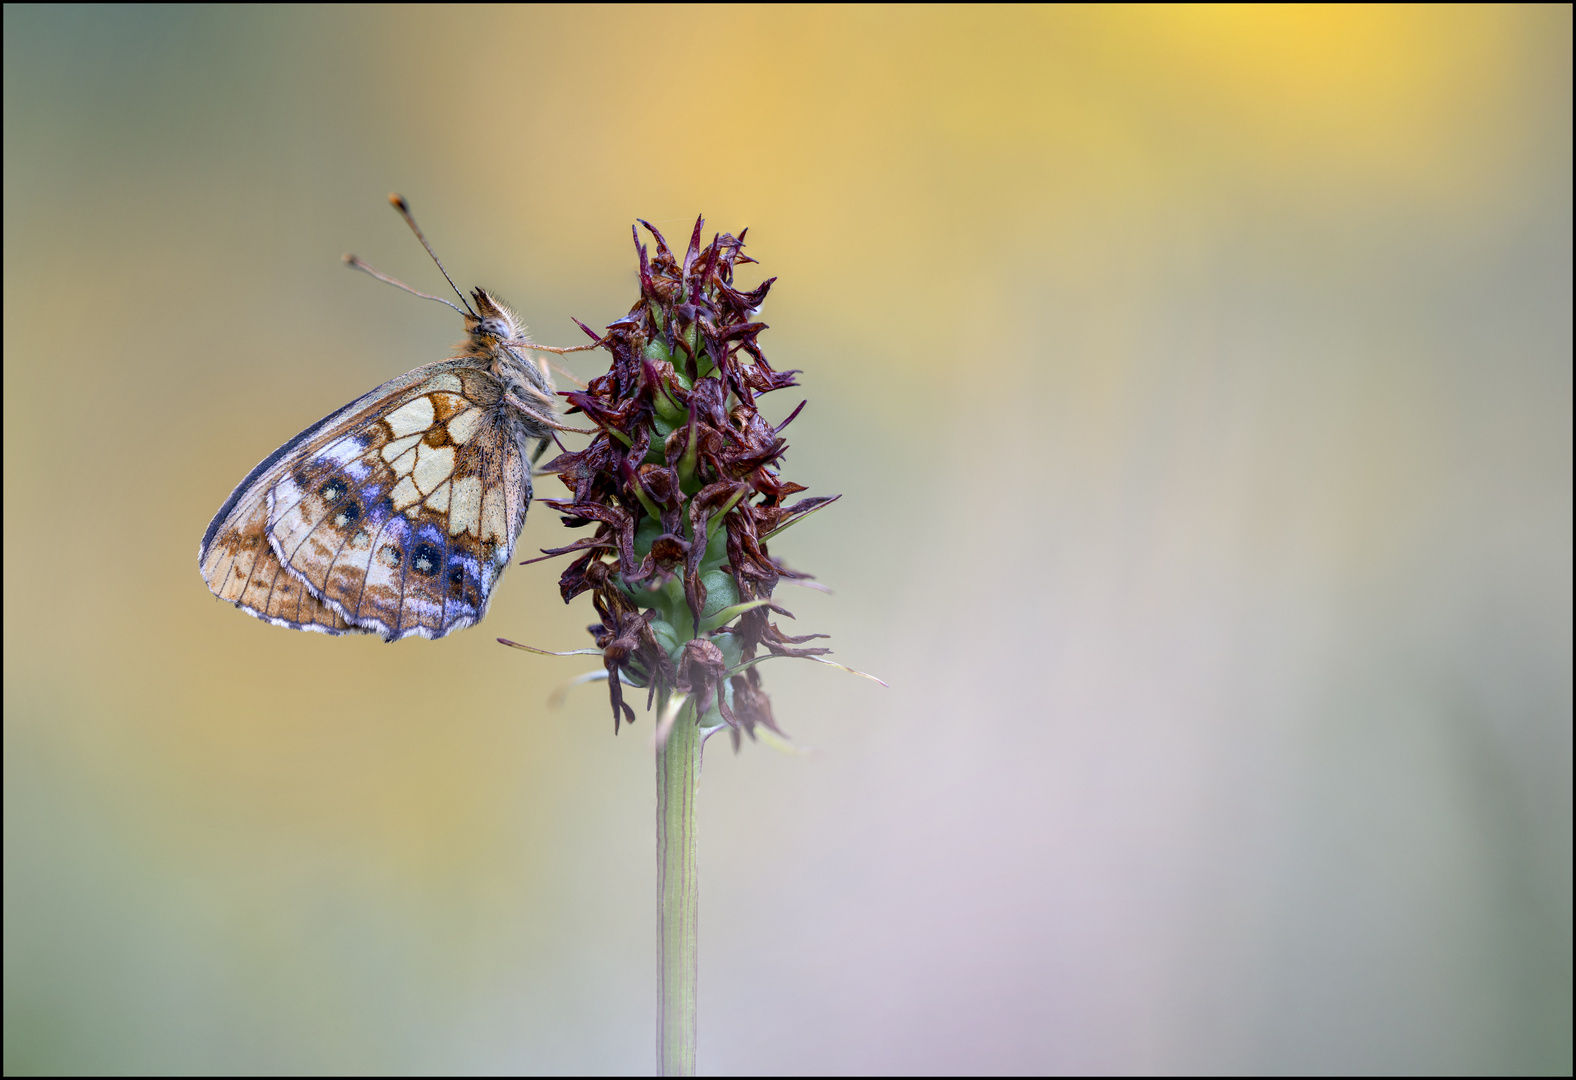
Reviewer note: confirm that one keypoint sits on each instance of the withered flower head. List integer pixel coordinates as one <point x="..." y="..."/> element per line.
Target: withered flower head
<point x="681" y="481"/>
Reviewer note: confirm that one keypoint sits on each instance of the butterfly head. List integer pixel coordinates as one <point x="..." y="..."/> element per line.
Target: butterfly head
<point x="493" y="324"/>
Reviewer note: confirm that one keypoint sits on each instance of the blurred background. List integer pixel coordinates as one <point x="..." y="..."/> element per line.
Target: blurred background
<point x="1198" y="384"/>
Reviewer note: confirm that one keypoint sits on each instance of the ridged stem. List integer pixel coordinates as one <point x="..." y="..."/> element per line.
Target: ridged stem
<point x="678" y="895"/>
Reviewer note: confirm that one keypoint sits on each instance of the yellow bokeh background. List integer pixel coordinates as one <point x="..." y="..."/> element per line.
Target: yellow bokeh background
<point x="1197" y="380"/>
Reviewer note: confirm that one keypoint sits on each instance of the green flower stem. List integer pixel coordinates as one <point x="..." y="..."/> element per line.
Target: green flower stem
<point x="678" y="893"/>
<point x="645" y="501"/>
<point x="687" y="462"/>
<point x="715" y="522"/>
<point x="713" y="622"/>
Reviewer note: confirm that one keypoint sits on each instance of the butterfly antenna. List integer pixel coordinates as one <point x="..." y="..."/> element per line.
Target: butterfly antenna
<point x="356" y="264"/>
<point x="397" y="201"/>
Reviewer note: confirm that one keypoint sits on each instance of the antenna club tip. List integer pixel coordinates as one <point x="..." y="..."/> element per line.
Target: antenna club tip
<point x="348" y="259"/>
<point x="397" y="201"/>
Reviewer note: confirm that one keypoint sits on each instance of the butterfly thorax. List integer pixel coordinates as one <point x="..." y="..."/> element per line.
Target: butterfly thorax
<point x="496" y="339"/>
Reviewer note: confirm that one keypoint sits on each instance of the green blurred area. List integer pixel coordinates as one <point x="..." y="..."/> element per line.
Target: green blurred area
<point x="1198" y="383"/>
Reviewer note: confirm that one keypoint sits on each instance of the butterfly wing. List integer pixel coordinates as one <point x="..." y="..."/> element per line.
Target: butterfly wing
<point x="236" y="556"/>
<point x="240" y="566"/>
<point x="395" y="515"/>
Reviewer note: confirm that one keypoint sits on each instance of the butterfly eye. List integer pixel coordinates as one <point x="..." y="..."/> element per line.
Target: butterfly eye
<point x="493" y="327"/>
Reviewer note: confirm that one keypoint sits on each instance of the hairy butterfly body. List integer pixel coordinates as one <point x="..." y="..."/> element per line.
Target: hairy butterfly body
<point x="397" y="514"/>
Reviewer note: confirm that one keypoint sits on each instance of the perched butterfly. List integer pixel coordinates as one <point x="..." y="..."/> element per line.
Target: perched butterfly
<point x="396" y="514"/>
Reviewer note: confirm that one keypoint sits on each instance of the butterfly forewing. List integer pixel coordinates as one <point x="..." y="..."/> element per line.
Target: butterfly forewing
<point x="395" y="515"/>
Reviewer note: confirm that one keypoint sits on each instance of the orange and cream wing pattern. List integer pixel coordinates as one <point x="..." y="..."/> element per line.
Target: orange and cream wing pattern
<point x="396" y="515"/>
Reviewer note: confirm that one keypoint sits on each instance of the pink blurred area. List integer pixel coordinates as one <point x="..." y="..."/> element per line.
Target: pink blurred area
<point x="1198" y="383"/>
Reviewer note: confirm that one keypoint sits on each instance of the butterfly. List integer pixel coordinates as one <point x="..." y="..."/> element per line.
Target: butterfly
<point x="396" y="514"/>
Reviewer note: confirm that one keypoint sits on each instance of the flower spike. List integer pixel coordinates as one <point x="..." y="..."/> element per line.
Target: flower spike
<point x="681" y="480"/>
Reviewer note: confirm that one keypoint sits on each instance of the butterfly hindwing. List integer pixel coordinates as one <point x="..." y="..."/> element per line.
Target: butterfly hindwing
<point x="254" y="580"/>
<point x="395" y="515"/>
